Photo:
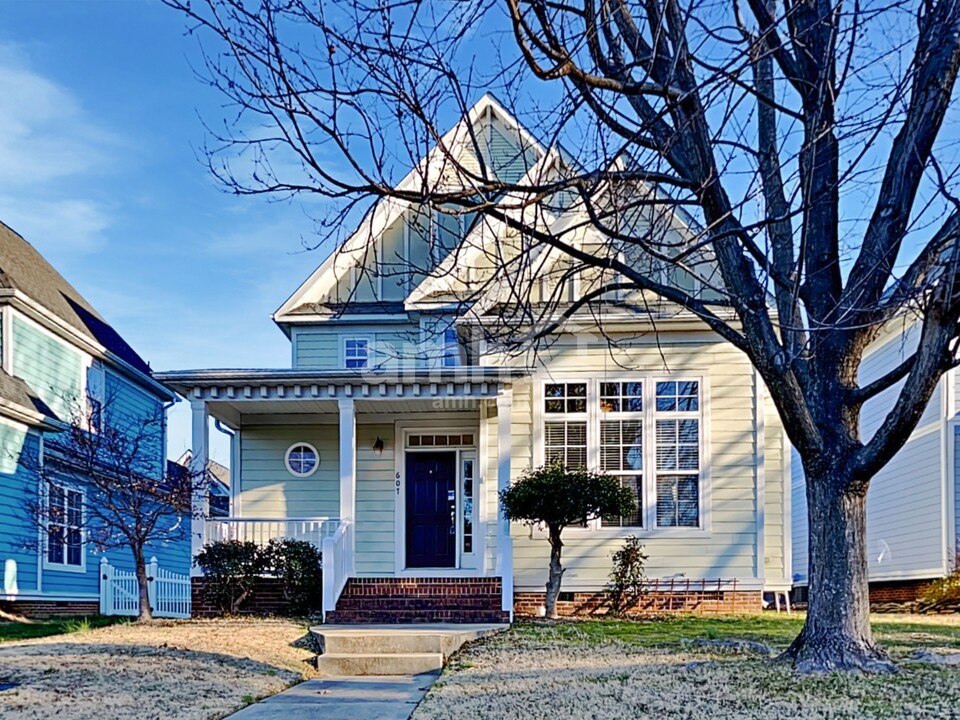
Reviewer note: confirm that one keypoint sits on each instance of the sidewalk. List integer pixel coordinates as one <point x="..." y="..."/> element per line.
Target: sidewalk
<point x="344" y="698"/>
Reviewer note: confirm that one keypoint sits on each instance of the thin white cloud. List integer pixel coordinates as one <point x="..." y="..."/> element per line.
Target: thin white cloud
<point x="48" y="146"/>
<point x="67" y="225"/>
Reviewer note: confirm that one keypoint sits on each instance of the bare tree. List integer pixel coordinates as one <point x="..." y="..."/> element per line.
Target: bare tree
<point x="797" y="143"/>
<point x="104" y="480"/>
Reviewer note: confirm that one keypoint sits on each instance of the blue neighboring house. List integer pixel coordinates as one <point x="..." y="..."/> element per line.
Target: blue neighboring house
<point x="56" y="351"/>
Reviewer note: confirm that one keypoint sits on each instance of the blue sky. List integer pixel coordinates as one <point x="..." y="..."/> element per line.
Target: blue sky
<point x="99" y="130"/>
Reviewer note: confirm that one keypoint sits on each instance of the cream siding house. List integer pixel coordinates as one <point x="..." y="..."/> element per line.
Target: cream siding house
<point x="389" y="438"/>
<point x="912" y="507"/>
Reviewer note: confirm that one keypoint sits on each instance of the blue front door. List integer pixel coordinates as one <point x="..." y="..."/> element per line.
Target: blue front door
<point x="431" y="509"/>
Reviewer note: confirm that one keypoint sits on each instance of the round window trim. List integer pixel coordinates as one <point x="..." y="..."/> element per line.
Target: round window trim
<point x="304" y="446"/>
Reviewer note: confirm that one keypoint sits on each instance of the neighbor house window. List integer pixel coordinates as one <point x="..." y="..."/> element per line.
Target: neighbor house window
<point x="356" y="353"/>
<point x="302" y="459"/>
<point x="678" y="453"/>
<point x="646" y="432"/>
<point x="565" y="424"/>
<point x="64" y="526"/>
<point x="621" y="443"/>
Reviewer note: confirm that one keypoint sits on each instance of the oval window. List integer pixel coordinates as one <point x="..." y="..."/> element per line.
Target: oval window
<point x="302" y="459"/>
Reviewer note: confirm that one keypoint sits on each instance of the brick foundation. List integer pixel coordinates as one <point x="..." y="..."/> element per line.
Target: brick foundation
<point x="39" y="609"/>
<point x="597" y="603"/>
<point x="420" y="600"/>
<point x="267" y="599"/>
<point x="904" y="591"/>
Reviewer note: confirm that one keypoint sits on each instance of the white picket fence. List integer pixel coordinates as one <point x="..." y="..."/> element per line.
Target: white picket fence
<point x="169" y="592"/>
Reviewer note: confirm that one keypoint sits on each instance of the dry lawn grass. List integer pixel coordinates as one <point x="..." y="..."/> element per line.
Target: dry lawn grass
<point x="189" y="670"/>
<point x="602" y="671"/>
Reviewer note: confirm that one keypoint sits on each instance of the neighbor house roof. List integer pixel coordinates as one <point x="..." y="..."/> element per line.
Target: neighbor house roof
<point x="17" y="399"/>
<point x="23" y="268"/>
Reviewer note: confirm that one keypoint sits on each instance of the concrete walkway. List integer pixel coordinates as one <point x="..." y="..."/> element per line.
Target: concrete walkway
<point x="344" y="698"/>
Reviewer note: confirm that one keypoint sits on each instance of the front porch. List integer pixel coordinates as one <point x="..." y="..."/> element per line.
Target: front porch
<point x="395" y="479"/>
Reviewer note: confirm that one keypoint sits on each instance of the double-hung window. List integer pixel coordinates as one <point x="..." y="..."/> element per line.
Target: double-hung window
<point x="621" y="443"/>
<point x="645" y="431"/>
<point x="356" y="353"/>
<point x="678" y="453"/>
<point x="565" y="423"/>
<point x="64" y="526"/>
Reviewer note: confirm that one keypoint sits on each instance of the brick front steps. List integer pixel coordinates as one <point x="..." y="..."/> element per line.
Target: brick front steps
<point x="420" y="600"/>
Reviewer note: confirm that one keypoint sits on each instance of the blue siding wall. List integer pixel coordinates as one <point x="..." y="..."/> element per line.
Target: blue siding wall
<point x="49" y="365"/>
<point x="54" y="370"/>
<point x="18" y="552"/>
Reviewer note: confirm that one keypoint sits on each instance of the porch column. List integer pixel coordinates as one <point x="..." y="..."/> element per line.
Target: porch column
<point x="200" y="445"/>
<point x="504" y="541"/>
<point x="348" y="473"/>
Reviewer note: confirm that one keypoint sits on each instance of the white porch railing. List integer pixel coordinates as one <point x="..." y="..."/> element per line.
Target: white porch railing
<point x="168" y="592"/>
<point x="262" y="530"/>
<point x="338" y="565"/>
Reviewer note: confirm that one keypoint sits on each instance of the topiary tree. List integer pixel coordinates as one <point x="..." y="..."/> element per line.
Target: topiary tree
<point x="556" y="496"/>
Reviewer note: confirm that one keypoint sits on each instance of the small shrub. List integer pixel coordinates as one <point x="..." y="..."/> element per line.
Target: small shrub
<point x="942" y="594"/>
<point x="628" y="583"/>
<point x="298" y="565"/>
<point x="231" y="568"/>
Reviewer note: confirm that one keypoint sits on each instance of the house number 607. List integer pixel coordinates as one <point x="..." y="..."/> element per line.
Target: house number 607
<point x="398" y="483"/>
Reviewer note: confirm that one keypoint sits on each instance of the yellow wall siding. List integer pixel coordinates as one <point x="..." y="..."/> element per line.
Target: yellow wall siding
<point x="375" y="502"/>
<point x="318" y="347"/>
<point x="269" y="490"/>
<point x="729" y="548"/>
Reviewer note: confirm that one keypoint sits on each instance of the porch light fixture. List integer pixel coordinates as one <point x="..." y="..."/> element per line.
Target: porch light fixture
<point x="378" y="446"/>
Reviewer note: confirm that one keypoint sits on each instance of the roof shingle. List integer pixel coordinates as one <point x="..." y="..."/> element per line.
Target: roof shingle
<point x="23" y="268"/>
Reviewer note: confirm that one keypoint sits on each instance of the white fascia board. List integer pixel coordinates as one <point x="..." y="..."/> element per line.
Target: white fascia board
<point x="324" y="278"/>
<point x="348" y="319"/>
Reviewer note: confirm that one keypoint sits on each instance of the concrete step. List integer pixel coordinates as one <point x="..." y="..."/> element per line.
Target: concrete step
<point x="392" y="649"/>
<point x="379" y="663"/>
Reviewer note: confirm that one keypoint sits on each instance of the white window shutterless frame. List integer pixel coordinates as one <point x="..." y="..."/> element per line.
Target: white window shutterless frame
<point x="594" y="416"/>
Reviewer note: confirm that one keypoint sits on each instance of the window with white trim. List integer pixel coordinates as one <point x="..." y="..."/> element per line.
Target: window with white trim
<point x="356" y="353"/>
<point x="302" y="459"/>
<point x="621" y="443"/>
<point x="451" y="348"/>
<point x="565" y="423"/>
<point x="64" y="526"/>
<point x="678" y="453"/>
<point x="644" y="431"/>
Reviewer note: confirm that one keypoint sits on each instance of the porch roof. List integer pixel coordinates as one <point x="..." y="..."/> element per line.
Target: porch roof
<point x="230" y="394"/>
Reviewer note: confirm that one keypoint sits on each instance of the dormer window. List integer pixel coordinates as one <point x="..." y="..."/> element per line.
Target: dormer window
<point x="356" y="353"/>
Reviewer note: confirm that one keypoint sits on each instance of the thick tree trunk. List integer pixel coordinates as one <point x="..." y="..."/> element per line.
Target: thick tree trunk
<point x="837" y="634"/>
<point x="555" y="575"/>
<point x="146" y="612"/>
